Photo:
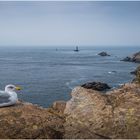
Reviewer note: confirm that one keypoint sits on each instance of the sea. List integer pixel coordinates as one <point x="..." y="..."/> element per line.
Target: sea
<point x="48" y="74"/>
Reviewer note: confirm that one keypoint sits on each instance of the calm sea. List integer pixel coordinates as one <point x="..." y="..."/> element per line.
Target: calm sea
<point x="47" y="75"/>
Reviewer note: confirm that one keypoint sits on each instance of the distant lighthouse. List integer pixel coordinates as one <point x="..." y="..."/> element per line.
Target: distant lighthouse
<point x="76" y="50"/>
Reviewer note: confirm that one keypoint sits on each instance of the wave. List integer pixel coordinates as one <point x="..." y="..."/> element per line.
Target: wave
<point x="112" y="72"/>
<point x="75" y="82"/>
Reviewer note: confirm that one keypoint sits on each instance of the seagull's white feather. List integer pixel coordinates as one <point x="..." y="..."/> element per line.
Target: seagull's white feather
<point x="8" y="97"/>
<point x="3" y="94"/>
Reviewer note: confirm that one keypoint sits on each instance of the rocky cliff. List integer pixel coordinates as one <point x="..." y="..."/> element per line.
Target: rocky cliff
<point x="88" y="114"/>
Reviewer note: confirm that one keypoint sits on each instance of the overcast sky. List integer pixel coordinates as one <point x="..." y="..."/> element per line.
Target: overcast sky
<point x="69" y="23"/>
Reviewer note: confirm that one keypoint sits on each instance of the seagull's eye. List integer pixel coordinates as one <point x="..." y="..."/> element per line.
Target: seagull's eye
<point x="11" y="87"/>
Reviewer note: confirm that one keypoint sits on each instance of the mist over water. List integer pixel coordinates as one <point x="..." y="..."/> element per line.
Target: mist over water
<point x="47" y="75"/>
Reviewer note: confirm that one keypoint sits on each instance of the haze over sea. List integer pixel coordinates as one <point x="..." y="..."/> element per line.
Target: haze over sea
<point x="47" y="75"/>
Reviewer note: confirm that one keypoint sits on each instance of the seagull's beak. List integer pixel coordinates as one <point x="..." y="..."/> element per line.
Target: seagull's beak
<point x="18" y="88"/>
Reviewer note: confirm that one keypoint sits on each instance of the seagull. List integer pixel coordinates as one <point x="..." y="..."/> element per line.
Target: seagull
<point x="9" y="96"/>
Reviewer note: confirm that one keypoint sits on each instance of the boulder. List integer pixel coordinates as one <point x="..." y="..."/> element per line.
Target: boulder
<point x="103" y="54"/>
<point x="134" y="58"/>
<point x="28" y="121"/>
<point x="96" y="86"/>
<point x="115" y="115"/>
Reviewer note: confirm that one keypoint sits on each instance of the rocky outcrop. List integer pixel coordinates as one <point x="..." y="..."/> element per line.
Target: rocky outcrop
<point x="96" y="86"/>
<point x="127" y="59"/>
<point x="28" y="121"/>
<point x="103" y="54"/>
<point x="134" y="58"/>
<point x="92" y="114"/>
<point x="59" y="106"/>
<point x="89" y="114"/>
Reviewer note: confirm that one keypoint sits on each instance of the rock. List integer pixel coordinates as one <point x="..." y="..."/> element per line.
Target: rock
<point x="103" y="54"/>
<point x="127" y="59"/>
<point x="59" y="106"/>
<point x="91" y="114"/>
<point x="134" y="58"/>
<point x="96" y="86"/>
<point x="135" y="71"/>
<point x="27" y="121"/>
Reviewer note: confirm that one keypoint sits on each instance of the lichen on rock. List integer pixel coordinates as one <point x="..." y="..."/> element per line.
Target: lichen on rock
<point x="26" y="120"/>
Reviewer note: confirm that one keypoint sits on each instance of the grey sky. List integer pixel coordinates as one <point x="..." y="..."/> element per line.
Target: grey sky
<point x="69" y="23"/>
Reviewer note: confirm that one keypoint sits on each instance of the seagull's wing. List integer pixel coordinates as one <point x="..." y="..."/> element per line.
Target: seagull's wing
<point x="4" y="97"/>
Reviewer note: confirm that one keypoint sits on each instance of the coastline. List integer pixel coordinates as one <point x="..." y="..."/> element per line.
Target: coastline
<point x="88" y="114"/>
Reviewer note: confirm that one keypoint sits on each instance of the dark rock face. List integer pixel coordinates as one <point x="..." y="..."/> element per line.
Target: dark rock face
<point x="96" y="86"/>
<point x="93" y="115"/>
<point x="103" y="54"/>
<point x="135" y="71"/>
<point x="129" y="59"/>
<point x="135" y="58"/>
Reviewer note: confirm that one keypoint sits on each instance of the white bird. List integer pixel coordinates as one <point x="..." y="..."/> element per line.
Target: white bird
<point x="9" y="96"/>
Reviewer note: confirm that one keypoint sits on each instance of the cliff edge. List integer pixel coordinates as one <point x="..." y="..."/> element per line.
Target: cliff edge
<point x="88" y="114"/>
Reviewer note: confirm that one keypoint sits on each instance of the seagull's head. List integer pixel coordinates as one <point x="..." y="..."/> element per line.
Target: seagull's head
<point x="12" y="88"/>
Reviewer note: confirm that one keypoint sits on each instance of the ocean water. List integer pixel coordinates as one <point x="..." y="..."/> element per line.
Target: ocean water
<point x="47" y="75"/>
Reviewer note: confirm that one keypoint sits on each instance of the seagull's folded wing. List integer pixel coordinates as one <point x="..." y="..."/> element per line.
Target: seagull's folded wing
<point x="4" y="97"/>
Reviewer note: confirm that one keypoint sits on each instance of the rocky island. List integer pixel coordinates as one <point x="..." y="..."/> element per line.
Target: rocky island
<point x="103" y="54"/>
<point x="89" y="113"/>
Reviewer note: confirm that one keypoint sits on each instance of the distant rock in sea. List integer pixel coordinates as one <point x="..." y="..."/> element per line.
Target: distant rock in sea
<point x="134" y="58"/>
<point x="103" y="54"/>
<point x="96" y="86"/>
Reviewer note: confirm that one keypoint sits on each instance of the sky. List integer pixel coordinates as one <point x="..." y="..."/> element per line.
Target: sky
<point x="69" y="23"/>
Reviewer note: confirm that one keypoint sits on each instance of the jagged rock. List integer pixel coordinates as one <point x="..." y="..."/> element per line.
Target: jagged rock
<point x="96" y="86"/>
<point x="134" y="58"/>
<point x="103" y="54"/>
<point x="27" y="121"/>
<point x="59" y="106"/>
<point x="92" y="114"/>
